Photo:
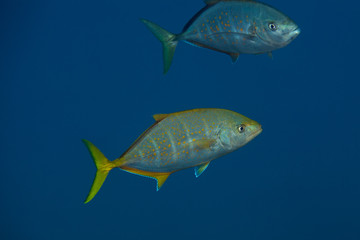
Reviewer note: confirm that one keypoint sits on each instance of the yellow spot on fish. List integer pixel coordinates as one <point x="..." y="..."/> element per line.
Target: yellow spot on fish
<point x="178" y="153"/>
<point x="154" y="154"/>
<point x="135" y="156"/>
<point x="194" y="140"/>
<point x="179" y="143"/>
<point x="159" y="147"/>
<point x="220" y="17"/>
<point x="183" y="136"/>
<point x="241" y="29"/>
<point x="217" y="28"/>
<point x="169" y="145"/>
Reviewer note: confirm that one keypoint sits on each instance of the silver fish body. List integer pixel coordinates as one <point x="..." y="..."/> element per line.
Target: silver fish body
<point x="232" y="27"/>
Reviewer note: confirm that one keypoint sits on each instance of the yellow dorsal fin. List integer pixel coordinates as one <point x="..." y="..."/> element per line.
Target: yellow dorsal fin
<point x="159" y="117"/>
<point x="159" y="176"/>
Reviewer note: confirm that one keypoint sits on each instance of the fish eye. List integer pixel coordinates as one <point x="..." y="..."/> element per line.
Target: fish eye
<point x="241" y="128"/>
<point x="272" y="26"/>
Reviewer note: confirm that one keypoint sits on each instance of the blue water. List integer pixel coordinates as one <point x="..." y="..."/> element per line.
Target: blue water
<point x="90" y="69"/>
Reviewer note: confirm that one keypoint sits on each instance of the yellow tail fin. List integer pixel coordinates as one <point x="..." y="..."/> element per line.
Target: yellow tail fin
<point x="103" y="166"/>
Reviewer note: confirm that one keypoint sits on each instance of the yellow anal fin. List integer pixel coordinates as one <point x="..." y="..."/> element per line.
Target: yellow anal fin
<point x="158" y="176"/>
<point x="159" y="117"/>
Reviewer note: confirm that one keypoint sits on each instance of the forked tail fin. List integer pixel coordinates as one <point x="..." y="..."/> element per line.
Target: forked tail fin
<point x="103" y="166"/>
<point x="167" y="39"/>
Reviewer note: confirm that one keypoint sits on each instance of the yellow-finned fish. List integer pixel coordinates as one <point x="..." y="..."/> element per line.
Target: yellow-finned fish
<point x="178" y="141"/>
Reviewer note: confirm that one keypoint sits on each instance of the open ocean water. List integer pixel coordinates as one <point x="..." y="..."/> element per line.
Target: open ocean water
<point x="90" y="69"/>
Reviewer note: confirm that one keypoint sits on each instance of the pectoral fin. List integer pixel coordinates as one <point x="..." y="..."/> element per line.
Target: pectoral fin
<point x="203" y="144"/>
<point x="159" y="177"/>
<point x="200" y="169"/>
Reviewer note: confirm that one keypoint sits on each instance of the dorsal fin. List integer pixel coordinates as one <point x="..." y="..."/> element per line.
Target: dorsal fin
<point x="159" y="117"/>
<point x="212" y="2"/>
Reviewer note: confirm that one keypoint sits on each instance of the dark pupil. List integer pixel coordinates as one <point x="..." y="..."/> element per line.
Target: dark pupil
<point x="241" y="128"/>
<point x="272" y="26"/>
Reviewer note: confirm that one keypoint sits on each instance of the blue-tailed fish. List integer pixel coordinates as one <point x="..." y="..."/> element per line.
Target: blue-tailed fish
<point x="178" y="141"/>
<point x="232" y="27"/>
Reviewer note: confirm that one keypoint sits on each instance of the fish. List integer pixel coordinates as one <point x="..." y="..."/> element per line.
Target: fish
<point x="232" y="27"/>
<point x="178" y="141"/>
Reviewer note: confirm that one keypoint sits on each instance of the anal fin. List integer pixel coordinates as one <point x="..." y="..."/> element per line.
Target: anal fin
<point x="200" y="169"/>
<point x="234" y="57"/>
<point x="158" y="176"/>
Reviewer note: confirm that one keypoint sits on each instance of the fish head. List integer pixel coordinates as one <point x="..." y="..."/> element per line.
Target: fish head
<point x="275" y="28"/>
<point x="238" y="131"/>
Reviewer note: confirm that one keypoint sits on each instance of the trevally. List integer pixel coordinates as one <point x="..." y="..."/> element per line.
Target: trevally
<point x="178" y="141"/>
<point x="233" y="27"/>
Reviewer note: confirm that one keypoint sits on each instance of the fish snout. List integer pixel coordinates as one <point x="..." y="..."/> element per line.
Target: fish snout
<point x="255" y="129"/>
<point x="293" y="34"/>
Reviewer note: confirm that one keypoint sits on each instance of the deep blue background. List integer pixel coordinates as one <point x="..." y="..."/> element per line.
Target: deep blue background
<point x="90" y="69"/>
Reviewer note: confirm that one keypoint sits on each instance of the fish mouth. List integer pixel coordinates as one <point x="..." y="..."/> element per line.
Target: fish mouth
<point x="255" y="133"/>
<point x="293" y="34"/>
